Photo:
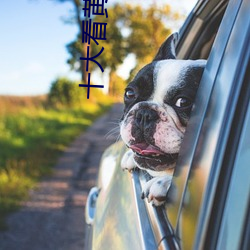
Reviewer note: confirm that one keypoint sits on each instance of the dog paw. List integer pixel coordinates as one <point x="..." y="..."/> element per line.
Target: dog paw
<point x="156" y="189"/>
<point x="127" y="162"/>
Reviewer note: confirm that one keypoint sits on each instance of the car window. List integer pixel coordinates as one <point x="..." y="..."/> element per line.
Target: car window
<point x="165" y="226"/>
<point x="198" y="33"/>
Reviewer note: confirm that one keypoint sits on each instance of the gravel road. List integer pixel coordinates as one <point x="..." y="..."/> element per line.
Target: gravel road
<point x="53" y="218"/>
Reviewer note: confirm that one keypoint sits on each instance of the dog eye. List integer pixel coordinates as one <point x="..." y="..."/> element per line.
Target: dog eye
<point x="183" y="102"/>
<point x="130" y="94"/>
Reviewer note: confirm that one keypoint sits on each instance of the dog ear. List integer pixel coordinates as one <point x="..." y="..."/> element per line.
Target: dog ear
<point x="167" y="49"/>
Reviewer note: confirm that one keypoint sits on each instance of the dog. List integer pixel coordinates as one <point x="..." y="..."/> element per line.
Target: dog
<point x="158" y="102"/>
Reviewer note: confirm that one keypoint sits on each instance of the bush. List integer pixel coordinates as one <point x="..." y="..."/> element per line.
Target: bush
<point x="32" y="137"/>
<point x="64" y="92"/>
<point x="67" y="93"/>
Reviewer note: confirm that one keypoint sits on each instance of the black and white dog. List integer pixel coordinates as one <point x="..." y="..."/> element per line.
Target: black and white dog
<point x="158" y="103"/>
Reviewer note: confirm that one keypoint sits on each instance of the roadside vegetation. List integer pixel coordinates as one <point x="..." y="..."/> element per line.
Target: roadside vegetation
<point x="34" y="131"/>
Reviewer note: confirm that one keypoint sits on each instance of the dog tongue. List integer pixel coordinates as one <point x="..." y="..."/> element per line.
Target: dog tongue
<point x="145" y="149"/>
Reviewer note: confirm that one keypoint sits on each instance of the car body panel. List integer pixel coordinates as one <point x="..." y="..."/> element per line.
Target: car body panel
<point x="117" y="224"/>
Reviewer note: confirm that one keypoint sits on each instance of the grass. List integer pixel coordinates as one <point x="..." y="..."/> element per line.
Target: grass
<point x="31" y="138"/>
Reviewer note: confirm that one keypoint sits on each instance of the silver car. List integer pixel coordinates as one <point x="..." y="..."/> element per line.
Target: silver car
<point x="208" y="203"/>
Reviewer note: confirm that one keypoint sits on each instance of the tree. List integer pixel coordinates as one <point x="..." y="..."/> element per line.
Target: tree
<point x="117" y="86"/>
<point x="114" y="46"/>
<point x="148" y="32"/>
<point x="130" y="29"/>
<point x="77" y="19"/>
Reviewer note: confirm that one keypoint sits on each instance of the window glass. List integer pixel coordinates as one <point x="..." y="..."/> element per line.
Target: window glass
<point x="236" y="206"/>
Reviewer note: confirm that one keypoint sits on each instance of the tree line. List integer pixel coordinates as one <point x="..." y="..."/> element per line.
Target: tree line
<point x="131" y="29"/>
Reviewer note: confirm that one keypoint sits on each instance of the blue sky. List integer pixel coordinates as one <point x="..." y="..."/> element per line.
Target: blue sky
<point x="32" y="44"/>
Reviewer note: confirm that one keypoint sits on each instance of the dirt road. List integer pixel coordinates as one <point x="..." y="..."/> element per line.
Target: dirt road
<point x="53" y="218"/>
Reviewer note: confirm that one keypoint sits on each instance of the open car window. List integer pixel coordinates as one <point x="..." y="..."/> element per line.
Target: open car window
<point x="202" y="23"/>
<point x="196" y="41"/>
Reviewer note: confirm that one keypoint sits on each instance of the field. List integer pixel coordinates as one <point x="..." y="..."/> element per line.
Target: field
<point x="32" y="135"/>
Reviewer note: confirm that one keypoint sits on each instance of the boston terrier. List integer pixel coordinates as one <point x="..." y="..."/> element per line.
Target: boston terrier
<point x="158" y="102"/>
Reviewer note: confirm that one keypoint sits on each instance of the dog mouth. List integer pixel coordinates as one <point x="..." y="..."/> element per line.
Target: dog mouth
<point x="149" y="152"/>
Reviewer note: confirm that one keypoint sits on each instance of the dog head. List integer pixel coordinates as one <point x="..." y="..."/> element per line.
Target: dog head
<point x="158" y="102"/>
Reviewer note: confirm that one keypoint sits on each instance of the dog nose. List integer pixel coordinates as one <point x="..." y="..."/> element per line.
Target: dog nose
<point x="145" y="117"/>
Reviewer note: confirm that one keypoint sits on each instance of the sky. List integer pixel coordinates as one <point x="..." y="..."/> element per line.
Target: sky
<point x="32" y="44"/>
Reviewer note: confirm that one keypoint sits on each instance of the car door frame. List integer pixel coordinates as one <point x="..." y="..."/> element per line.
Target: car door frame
<point x="198" y="138"/>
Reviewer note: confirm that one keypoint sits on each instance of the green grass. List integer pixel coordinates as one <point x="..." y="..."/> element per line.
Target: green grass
<point x="31" y="139"/>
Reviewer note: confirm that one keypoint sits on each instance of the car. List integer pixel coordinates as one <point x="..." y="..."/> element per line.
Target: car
<point x="208" y="204"/>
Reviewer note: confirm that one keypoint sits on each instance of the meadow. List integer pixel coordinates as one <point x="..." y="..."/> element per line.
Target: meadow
<point x="32" y="136"/>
